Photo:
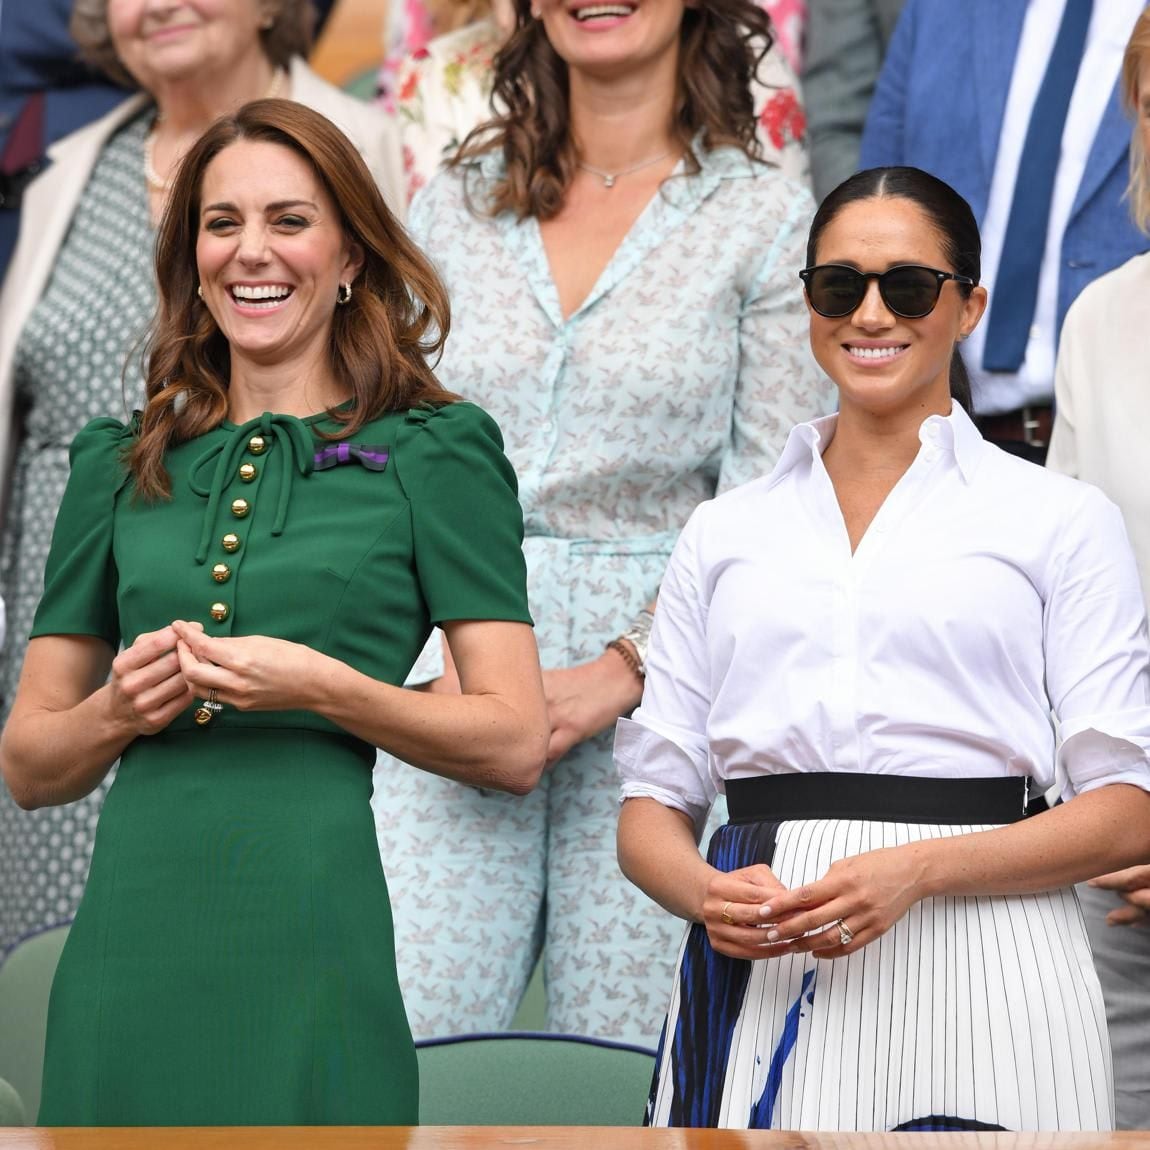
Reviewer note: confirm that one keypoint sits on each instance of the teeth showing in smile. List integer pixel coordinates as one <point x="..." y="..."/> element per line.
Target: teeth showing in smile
<point x="266" y="294"/>
<point x="873" y="352"/>
<point x="602" y="11"/>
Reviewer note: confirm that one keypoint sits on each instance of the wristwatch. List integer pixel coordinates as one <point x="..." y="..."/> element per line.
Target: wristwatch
<point x="639" y="635"/>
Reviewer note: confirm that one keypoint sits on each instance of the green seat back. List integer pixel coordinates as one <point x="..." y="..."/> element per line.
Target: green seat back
<point x="25" y="982"/>
<point x="532" y="1080"/>
<point x="11" y="1108"/>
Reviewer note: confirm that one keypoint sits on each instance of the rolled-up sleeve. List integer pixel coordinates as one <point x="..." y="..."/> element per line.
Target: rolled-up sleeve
<point x="1097" y="652"/>
<point x="661" y="752"/>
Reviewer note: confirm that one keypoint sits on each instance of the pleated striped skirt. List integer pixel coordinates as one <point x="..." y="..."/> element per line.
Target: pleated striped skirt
<point x="970" y="1013"/>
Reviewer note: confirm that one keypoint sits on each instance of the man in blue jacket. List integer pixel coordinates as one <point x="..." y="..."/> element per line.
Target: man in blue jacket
<point x="1015" y="104"/>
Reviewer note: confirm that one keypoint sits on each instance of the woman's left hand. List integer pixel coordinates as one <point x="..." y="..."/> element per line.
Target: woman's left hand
<point x="587" y="699"/>
<point x="250" y="673"/>
<point x="868" y="892"/>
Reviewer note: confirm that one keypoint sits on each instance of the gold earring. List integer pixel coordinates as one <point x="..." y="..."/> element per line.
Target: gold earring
<point x="200" y="290"/>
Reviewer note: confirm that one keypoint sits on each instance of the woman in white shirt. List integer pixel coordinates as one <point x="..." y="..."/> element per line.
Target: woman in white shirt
<point x="1101" y="430"/>
<point x="863" y="650"/>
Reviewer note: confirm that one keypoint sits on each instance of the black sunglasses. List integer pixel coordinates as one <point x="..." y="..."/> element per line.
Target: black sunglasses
<point x="909" y="290"/>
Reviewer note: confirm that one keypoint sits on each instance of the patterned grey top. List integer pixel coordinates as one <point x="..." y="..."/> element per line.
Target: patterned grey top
<point x="69" y="370"/>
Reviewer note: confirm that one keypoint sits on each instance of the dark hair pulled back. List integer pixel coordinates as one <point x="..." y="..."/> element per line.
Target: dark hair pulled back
<point x="951" y="216"/>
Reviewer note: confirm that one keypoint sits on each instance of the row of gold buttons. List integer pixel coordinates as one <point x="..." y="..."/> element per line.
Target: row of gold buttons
<point x="230" y="542"/>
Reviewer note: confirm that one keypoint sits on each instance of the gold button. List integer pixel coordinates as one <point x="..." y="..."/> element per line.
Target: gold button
<point x="257" y="445"/>
<point x="230" y="542"/>
<point x="248" y="472"/>
<point x="240" y="508"/>
<point x="221" y="572"/>
<point x="219" y="611"/>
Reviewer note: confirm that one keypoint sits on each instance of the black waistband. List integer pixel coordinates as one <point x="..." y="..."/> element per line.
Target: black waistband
<point x="879" y="798"/>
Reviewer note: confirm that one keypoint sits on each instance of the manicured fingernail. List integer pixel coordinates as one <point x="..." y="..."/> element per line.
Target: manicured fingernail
<point x="772" y="936"/>
<point x="764" y="910"/>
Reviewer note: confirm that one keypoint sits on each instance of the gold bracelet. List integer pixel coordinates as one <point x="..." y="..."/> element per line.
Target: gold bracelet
<point x="628" y="656"/>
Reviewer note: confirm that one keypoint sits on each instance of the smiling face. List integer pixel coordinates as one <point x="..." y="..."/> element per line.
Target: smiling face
<point x="271" y="254"/>
<point x="884" y="364"/>
<point x="159" y="40"/>
<point x="608" y="38"/>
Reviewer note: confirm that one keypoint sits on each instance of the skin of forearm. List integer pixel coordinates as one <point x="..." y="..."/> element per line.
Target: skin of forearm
<point x="1103" y="830"/>
<point x="658" y="853"/>
<point x="472" y="738"/>
<point x="53" y="757"/>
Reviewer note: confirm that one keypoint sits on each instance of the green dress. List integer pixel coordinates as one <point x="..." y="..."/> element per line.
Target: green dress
<point x="232" y="960"/>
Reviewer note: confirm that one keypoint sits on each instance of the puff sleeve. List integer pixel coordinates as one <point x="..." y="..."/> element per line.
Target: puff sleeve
<point x="467" y="525"/>
<point x="80" y="578"/>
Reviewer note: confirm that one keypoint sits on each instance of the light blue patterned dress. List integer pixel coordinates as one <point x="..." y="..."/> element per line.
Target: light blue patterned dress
<point x="680" y="374"/>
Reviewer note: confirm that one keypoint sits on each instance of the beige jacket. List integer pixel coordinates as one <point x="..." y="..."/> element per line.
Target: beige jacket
<point x="51" y="202"/>
<point x="1101" y="398"/>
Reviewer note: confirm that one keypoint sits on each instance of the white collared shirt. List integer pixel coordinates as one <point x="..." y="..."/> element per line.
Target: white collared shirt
<point x="1110" y="26"/>
<point x="986" y="594"/>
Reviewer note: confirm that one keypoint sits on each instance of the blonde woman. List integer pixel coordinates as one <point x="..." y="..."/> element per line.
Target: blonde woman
<point x="1101" y="432"/>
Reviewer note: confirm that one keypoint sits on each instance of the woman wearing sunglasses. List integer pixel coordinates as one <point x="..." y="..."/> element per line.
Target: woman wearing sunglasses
<point x="863" y="651"/>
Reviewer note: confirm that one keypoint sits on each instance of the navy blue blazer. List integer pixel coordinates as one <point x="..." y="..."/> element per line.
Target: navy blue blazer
<point x="939" y="105"/>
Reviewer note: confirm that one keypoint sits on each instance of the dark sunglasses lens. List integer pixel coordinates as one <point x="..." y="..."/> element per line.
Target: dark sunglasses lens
<point x="835" y="292"/>
<point x="910" y="292"/>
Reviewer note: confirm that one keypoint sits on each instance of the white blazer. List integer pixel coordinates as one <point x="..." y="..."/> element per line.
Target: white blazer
<point x="51" y="200"/>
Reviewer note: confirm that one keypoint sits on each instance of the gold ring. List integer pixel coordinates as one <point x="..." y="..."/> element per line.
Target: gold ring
<point x="725" y="914"/>
<point x="846" y="935"/>
<point x="208" y="709"/>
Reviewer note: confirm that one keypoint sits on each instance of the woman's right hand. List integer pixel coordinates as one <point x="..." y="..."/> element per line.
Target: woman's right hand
<point x="148" y="689"/>
<point x="739" y="895"/>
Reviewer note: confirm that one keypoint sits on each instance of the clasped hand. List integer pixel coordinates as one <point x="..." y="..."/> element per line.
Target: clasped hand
<point x="163" y="671"/>
<point x="749" y="914"/>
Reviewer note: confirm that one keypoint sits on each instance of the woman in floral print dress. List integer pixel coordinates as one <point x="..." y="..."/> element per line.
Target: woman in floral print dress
<point x="628" y="308"/>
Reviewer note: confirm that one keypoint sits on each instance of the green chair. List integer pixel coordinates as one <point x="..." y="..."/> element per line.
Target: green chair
<point x="517" y="1079"/>
<point x="11" y="1108"/>
<point x="25" y="982"/>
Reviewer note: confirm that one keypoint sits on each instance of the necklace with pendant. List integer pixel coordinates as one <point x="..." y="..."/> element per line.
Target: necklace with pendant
<point x="609" y="178"/>
<point x="154" y="179"/>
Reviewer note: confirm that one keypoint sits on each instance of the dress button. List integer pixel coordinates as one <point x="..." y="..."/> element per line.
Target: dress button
<point x="230" y="542"/>
<point x="257" y="445"/>
<point x="219" y="611"/>
<point x="240" y="508"/>
<point x="221" y="572"/>
<point x="248" y="472"/>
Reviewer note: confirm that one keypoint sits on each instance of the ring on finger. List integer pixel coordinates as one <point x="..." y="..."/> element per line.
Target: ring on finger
<point x="725" y="914"/>
<point x="846" y="935"/>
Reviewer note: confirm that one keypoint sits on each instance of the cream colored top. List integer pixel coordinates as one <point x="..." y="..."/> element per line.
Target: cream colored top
<point x="1102" y="397"/>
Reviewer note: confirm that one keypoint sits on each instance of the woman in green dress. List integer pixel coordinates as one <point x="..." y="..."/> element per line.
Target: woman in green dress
<point x="270" y="574"/>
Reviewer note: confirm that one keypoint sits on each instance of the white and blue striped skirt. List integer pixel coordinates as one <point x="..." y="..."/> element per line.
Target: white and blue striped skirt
<point x="969" y="1014"/>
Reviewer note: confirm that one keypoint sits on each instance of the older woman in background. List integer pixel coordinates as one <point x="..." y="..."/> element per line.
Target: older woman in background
<point x="621" y="267"/>
<point x="1101" y="434"/>
<point x="79" y="293"/>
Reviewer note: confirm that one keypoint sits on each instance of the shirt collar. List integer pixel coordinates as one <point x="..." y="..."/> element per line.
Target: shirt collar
<point x="955" y="433"/>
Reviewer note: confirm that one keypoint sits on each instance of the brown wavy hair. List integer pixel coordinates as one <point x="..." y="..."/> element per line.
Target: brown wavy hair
<point x="381" y="340"/>
<point x="721" y="44"/>
<point x="290" y="34"/>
